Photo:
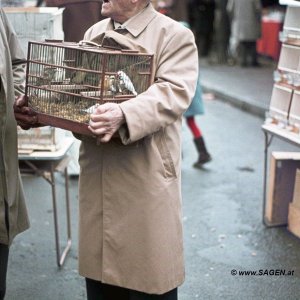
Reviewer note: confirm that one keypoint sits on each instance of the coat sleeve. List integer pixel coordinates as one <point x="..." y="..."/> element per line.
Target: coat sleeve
<point x="17" y="57"/>
<point x="170" y="95"/>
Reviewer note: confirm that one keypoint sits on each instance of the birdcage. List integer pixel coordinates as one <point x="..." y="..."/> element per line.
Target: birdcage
<point x="66" y="81"/>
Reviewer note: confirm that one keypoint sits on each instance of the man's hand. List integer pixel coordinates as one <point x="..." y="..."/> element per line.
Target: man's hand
<point x="25" y="116"/>
<point x="106" y="120"/>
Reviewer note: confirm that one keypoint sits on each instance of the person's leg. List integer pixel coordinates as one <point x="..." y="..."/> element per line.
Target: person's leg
<point x="193" y="127"/>
<point x="3" y="269"/>
<point x="96" y="290"/>
<point x="243" y="54"/>
<point x="171" y="295"/>
<point x="253" y="54"/>
<point x="204" y="155"/>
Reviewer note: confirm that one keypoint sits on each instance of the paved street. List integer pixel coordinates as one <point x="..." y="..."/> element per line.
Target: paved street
<point x="222" y="208"/>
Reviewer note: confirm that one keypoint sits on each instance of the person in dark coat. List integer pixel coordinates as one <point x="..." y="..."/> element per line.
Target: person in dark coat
<point x="201" y="15"/>
<point x="222" y="31"/>
<point x="179" y="11"/>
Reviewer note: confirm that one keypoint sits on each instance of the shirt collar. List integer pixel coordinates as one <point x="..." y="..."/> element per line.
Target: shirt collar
<point x="136" y="24"/>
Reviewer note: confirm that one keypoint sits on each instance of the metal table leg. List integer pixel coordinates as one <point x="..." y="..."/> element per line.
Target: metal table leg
<point x="62" y="166"/>
<point x="60" y="257"/>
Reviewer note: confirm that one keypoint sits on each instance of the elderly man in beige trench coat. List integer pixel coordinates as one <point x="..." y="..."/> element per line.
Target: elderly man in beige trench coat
<point x="130" y="243"/>
<point x="13" y="214"/>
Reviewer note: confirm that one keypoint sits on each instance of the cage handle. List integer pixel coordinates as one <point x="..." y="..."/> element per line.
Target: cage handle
<point x="82" y="42"/>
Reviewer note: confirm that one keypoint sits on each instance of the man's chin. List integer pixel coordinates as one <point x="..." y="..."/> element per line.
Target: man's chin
<point x="104" y="13"/>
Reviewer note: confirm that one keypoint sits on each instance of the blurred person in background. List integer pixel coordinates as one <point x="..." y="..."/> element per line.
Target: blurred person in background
<point x="245" y="18"/>
<point x="221" y="32"/>
<point x="201" y="16"/>
<point x="78" y="16"/>
<point x="178" y="10"/>
<point x="13" y="213"/>
<point x="197" y="108"/>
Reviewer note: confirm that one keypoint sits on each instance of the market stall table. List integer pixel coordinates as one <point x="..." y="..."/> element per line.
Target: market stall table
<point x="45" y="164"/>
<point x="271" y="131"/>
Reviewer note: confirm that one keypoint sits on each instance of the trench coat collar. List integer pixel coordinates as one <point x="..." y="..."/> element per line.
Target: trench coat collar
<point x="138" y="23"/>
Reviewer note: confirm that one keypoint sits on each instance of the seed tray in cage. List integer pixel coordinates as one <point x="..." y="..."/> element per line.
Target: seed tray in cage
<point x="66" y="81"/>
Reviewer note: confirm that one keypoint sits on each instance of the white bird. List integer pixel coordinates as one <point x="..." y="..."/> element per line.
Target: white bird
<point x="126" y="82"/>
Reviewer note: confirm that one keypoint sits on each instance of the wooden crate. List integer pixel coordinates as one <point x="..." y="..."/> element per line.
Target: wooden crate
<point x="294" y="219"/>
<point x="296" y="197"/>
<point x="281" y="182"/>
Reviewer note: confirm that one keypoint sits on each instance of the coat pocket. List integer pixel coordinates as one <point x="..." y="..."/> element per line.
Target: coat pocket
<point x="167" y="161"/>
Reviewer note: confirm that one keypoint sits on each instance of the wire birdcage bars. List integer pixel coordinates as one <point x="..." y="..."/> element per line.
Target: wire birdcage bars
<point x="66" y="81"/>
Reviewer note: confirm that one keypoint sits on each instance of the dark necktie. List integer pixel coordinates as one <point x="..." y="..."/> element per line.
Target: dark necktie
<point x="120" y="30"/>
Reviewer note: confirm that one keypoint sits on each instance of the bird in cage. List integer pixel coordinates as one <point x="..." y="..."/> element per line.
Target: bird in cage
<point x="125" y="82"/>
<point x="110" y="85"/>
<point x="47" y="76"/>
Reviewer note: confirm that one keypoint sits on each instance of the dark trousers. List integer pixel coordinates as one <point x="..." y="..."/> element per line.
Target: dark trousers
<point x="247" y="50"/>
<point x="97" y="290"/>
<point x="3" y="269"/>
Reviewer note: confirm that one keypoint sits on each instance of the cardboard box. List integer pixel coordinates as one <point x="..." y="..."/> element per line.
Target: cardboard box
<point x="43" y="138"/>
<point x="283" y="166"/>
<point x="289" y="58"/>
<point x="35" y="23"/>
<point x="294" y="220"/>
<point x="294" y="113"/>
<point x="292" y="20"/>
<point x="280" y="102"/>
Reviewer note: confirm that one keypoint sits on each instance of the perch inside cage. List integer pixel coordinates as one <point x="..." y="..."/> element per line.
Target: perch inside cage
<point x="66" y="81"/>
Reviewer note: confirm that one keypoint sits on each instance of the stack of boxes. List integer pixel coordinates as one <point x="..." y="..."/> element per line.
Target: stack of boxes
<point x="283" y="200"/>
<point x="284" y="111"/>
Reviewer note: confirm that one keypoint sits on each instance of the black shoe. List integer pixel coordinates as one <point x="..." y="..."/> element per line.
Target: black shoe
<point x="203" y="159"/>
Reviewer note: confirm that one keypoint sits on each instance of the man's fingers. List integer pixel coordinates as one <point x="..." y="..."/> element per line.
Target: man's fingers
<point x="97" y="131"/>
<point x="105" y="138"/>
<point x="26" y="119"/>
<point x="21" y="101"/>
<point x="24" y="126"/>
<point x="97" y="124"/>
<point x="28" y="111"/>
<point x="100" y="109"/>
<point x="98" y="118"/>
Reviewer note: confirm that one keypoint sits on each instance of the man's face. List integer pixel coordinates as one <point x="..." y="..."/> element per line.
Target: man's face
<point x="118" y="10"/>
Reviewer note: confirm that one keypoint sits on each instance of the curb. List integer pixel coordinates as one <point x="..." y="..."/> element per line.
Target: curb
<point x="252" y="108"/>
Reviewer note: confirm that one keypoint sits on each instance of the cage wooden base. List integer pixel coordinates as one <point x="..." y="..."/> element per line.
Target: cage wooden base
<point x="76" y="127"/>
